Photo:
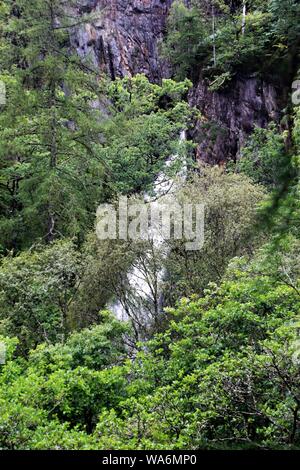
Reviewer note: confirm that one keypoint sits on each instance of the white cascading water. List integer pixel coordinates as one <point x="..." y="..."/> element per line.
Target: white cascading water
<point x="139" y="286"/>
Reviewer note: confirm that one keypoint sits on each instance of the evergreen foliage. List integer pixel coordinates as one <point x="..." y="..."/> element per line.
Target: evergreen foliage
<point x="218" y="367"/>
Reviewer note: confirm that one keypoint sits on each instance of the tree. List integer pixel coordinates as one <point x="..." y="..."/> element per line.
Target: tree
<point x="36" y="290"/>
<point x="230" y="206"/>
<point x="244" y="37"/>
<point x="185" y="44"/>
<point x="264" y="157"/>
<point x="143" y="131"/>
<point x="223" y="375"/>
<point x="63" y="388"/>
<point x="51" y="174"/>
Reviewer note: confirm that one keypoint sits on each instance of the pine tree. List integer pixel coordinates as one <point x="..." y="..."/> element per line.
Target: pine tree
<point x="49" y="129"/>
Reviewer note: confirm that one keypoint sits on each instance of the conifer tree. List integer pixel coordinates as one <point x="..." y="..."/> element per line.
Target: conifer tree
<point x="49" y="129"/>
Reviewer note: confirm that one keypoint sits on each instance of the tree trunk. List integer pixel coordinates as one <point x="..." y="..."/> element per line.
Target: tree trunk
<point x="214" y="34"/>
<point x="244" y="17"/>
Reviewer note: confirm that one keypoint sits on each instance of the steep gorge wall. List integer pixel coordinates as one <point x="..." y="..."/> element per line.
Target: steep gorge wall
<point x="230" y="115"/>
<point x="122" y="39"/>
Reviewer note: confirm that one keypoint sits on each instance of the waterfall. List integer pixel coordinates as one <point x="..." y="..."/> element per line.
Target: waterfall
<point x="143" y="300"/>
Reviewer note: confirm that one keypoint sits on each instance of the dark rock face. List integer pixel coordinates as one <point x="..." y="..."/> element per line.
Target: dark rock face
<point x="122" y="39"/>
<point x="229" y="116"/>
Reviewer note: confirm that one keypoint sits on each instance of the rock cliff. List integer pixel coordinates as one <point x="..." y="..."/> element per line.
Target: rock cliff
<point x="230" y="115"/>
<point x="123" y="39"/>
